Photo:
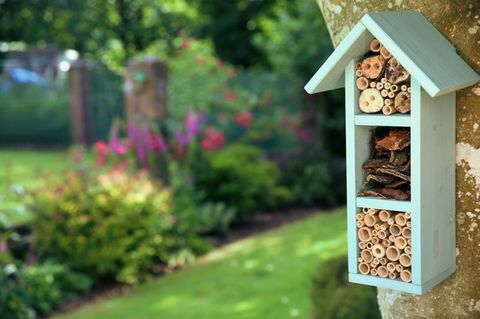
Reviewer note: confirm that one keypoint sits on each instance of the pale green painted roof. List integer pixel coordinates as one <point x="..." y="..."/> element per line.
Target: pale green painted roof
<point x="422" y="50"/>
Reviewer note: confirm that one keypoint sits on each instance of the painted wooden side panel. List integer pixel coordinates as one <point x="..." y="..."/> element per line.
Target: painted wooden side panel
<point x="422" y="50"/>
<point x="350" y="97"/>
<point x="437" y="184"/>
<point x="331" y="74"/>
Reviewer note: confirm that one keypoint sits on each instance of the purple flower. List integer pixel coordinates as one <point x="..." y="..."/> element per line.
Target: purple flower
<point x="160" y="143"/>
<point x="192" y="126"/>
<point x="3" y="246"/>
<point x="132" y="131"/>
<point x="141" y="143"/>
<point x="181" y="138"/>
<point x="115" y="145"/>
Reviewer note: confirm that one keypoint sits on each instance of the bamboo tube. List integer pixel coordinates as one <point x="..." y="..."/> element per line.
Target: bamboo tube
<point x="375" y="45"/>
<point x="408" y="250"/>
<point x="386" y="85"/>
<point x="408" y="215"/>
<point x="398" y="268"/>
<point x="371" y="220"/>
<point x="392" y="253"/>
<point x="379" y="85"/>
<point x="384" y="215"/>
<point x="395" y="230"/>
<point x="365" y="210"/>
<point x="390" y="221"/>
<point x="389" y="102"/>
<point x="400" y="242"/>
<point x="385" y="53"/>
<point x="359" y="73"/>
<point x="393" y="88"/>
<point x="376" y="227"/>
<point x="383" y="261"/>
<point x="375" y="233"/>
<point x="388" y="109"/>
<point x="391" y="238"/>
<point x="360" y="223"/>
<point x="382" y="234"/>
<point x="378" y="251"/>
<point x="409" y="242"/>
<point x="373" y="272"/>
<point x="372" y="265"/>
<point x="369" y="245"/>
<point x="383" y="80"/>
<point x="373" y="84"/>
<point x="384" y="226"/>
<point x="404" y="88"/>
<point x="366" y="255"/>
<point x="358" y="66"/>
<point x="384" y="93"/>
<point x="406" y="275"/>
<point x="400" y="219"/>
<point x="363" y="268"/>
<point x="391" y="266"/>
<point x="362" y="83"/>
<point x="407" y="232"/>
<point x="405" y="260"/>
<point x="372" y="211"/>
<point x="382" y="271"/>
<point x="375" y="240"/>
<point x="360" y="260"/>
<point x="391" y="94"/>
<point x="409" y="90"/>
<point x="364" y="234"/>
<point x="360" y="216"/>
<point x="409" y="224"/>
<point x="362" y="245"/>
<point x="392" y="275"/>
<point x="376" y="261"/>
<point x="386" y="243"/>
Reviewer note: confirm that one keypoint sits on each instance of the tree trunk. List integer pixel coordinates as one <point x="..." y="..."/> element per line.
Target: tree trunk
<point x="459" y="22"/>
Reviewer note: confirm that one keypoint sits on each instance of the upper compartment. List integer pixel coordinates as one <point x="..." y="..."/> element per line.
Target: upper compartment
<point x="420" y="48"/>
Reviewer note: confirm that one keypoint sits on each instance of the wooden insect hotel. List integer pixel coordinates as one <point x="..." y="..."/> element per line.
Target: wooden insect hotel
<point x="400" y="76"/>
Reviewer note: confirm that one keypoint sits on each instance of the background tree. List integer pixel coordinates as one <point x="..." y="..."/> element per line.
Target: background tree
<point x="458" y="21"/>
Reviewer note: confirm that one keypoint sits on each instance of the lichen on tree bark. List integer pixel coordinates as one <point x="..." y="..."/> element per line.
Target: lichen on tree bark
<point x="459" y="22"/>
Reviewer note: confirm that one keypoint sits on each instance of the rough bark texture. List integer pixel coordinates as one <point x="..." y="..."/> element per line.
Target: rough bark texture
<point x="458" y="21"/>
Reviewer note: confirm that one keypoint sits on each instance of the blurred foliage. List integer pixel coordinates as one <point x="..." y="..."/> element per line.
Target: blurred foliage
<point x="334" y="297"/>
<point x="109" y="30"/>
<point x="34" y="113"/>
<point x="242" y="178"/>
<point x="111" y="226"/>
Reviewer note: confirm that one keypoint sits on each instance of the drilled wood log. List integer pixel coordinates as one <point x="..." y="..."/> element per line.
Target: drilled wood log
<point x="402" y="102"/>
<point x="373" y="67"/>
<point x="370" y="101"/>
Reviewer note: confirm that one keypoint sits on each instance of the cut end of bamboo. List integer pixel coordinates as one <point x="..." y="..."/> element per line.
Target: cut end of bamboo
<point x="406" y="232"/>
<point x="405" y="260"/>
<point x="366" y="256"/>
<point x="400" y="242"/>
<point x="362" y="83"/>
<point x="378" y="251"/>
<point x="400" y="219"/>
<point x="406" y="275"/>
<point x="382" y="271"/>
<point x="384" y="215"/>
<point x="364" y="268"/>
<point x="375" y="45"/>
<point x="364" y="234"/>
<point x="395" y="230"/>
<point x="392" y="253"/>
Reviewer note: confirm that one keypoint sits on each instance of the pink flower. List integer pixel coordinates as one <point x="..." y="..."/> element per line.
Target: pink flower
<point x="212" y="139"/>
<point x="3" y="246"/>
<point x="181" y="138"/>
<point x="115" y="144"/>
<point x="192" y="125"/>
<point x="101" y="150"/>
<point x="157" y="143"/>
<point x="244" y="119"/>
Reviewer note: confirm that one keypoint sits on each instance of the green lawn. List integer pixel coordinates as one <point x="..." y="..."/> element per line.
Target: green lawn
<point x="266" y="277"/>
<point x="25" y="169"/>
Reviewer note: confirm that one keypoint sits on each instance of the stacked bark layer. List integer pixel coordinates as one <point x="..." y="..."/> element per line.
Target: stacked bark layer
<point x="383" y="83"/>
<point x="385" y="242"/>
<point x="387" y="171"/>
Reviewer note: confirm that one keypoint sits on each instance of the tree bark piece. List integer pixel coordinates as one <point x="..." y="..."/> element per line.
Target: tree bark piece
<point x="402" y="102"/>
<point x="373" y="67"/>
<point x="396" y="140"/>
<point x="395" y="73"/>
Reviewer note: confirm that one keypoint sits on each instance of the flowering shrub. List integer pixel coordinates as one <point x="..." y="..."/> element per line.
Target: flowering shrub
<point x="111" y="225"/>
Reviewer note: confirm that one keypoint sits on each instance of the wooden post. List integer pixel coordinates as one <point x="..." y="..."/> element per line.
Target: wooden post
<point x="79" y="102"/>
<point x="145" y="90"/>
